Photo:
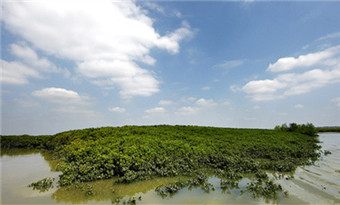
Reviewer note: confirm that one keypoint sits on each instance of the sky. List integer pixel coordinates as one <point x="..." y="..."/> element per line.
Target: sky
<point x="69" y="65"/>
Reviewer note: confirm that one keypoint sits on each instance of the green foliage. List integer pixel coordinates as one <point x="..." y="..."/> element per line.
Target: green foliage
<point x="141" y="152"/>
<point x="25" y="141"/>
<point x="308" y="129"/>
<point x="138" y="153"/>
<point x="42" y="185"/>
<point x="327" y="152"/>
<point x="328" y="129"/>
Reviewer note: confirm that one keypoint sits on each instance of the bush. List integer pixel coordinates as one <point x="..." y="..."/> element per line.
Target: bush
<point x="308" y="129"/>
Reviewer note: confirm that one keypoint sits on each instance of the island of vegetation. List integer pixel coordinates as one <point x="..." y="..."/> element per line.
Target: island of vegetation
<point x="132" y="153"/>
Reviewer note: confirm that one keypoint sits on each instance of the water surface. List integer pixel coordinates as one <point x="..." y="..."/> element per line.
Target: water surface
<point x="317" y="184"/>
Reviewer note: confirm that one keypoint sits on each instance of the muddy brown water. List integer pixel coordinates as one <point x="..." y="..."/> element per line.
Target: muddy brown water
<point x="316" y="184"/>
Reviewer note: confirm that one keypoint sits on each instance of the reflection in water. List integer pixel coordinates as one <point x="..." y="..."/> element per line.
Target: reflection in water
<point x="319" y="183"/>
<point x="107" y="190"/>
<point x="14" y="152"/>
<point x="19" y="169"/>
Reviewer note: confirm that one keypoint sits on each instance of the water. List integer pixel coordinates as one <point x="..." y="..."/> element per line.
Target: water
<point x="317" y="184"/>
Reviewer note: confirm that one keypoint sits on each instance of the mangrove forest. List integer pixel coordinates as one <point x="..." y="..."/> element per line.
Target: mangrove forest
<point x="135" y="153"/>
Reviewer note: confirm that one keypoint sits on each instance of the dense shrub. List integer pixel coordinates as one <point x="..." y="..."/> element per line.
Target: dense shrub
<point x="25" y="141"/>
<point x="133" y="153"/>
<point x="328" y="129"/>
<point x="141" y="152"/>
<point x="308" y="129"/>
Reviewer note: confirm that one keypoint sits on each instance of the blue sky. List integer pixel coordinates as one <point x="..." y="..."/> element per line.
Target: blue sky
<point x="71" y="65"/>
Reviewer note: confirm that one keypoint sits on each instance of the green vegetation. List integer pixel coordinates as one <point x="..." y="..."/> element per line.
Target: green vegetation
<point x="25" y="141"/>
<point x="307" y="129"/>
<point x="42" y="185"/>
<point x="328" y="129"/>
<point x="133" y="153"/>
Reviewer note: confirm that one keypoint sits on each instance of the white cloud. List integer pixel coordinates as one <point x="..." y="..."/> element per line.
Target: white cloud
<point x="234" y="88"/>
<point x="310" y="80"/>
<point x="188" y="99"/>
<point x="230" y="64"/>
<point x="28" y="65"/>
<point x="104" y="39"/>
<point x="336" y="101"/>
<point x="199" y="106"/>
<point x="30" y="57"/>
<point x="155" y="110"/>
<point x="263" y="86"/>
<point x="289" y="84"/>
<point x="165" y="102"/>
<point x="299" y="106"/>
<point x="311" y="59"/>
<point x="60" y="96"/>
<point x="154" y="7"/>
<point x="117" y="109"/>
<point x="205" y="103"/>
<point x="15" y="73"/>
<point x="186" y="110"/>
<point x="329" y="36"/>
<point x="159" y="9"/>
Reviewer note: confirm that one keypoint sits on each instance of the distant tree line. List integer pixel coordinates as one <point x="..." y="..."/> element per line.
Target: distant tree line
<point x="328" y="129"/>
<point x="308" y="129"/>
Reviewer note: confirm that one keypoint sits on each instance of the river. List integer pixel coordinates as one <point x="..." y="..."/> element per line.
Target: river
<point x="316" y="184"/>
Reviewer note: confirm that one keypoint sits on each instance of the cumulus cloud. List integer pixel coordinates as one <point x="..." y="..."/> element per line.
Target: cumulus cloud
<point x="288" y="84"/>
<point x="27" y="65"/>
<point x="31" y="58"/>
<point x="263" y="86"/>
<point x="60" y="96"/>
<point x="205" y="103"/>
<point x="117" y="109"/>
<point x="311" y="59"/>
<point x="156" y="110"/>
<point x="16" y="73"/>
<point x="106" y="40"/>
